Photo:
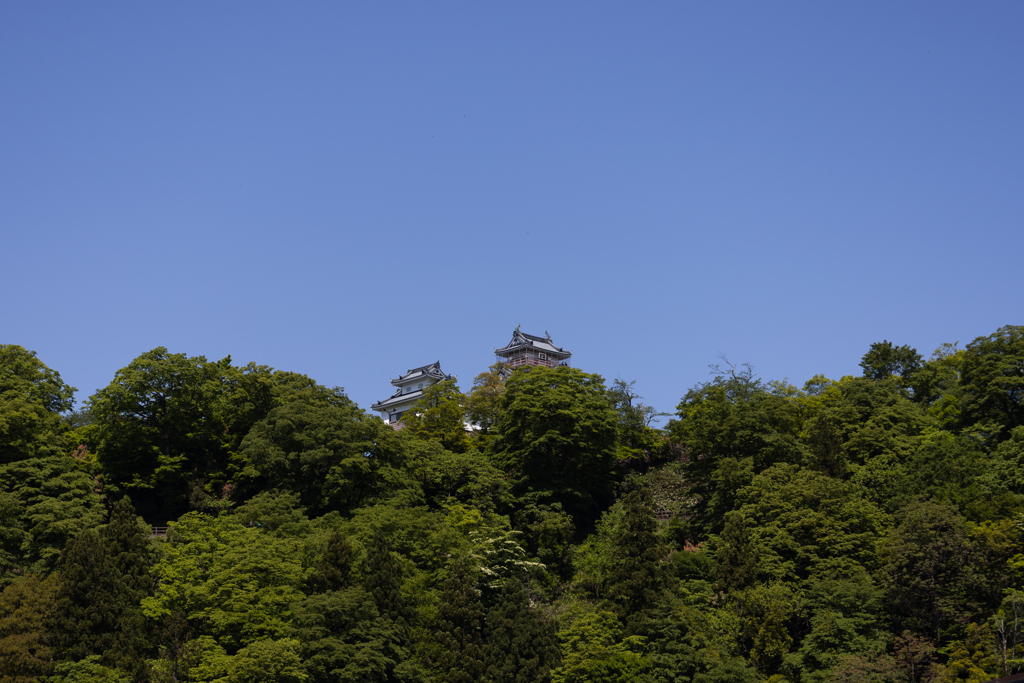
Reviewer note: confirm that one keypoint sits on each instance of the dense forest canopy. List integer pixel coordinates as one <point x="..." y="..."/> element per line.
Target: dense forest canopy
<point x="866" y="528"/>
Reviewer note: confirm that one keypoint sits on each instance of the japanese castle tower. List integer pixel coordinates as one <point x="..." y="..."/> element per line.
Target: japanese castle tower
<point x="410" y="389"/>
<point x="526" y="349"/>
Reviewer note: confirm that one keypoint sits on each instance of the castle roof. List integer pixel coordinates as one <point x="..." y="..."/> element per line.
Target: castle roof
<point x="432" y="371"/>
<point x="521" y="340"/>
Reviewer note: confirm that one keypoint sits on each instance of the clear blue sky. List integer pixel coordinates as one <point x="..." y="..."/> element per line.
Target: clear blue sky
<point x="348" y="190"/>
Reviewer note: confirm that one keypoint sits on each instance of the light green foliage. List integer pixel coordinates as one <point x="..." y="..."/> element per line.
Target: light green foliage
<point x="594" y="651"/>
<point x="802" y="518"/>
<point x="482" y="403"/>
<point x="556" y="437"/>
<point x="236" y="581"/>
<point x="25" y="653"/>
<point x="845" y="608"/>
<point x="88" y="670"/>
<point x="971" y="660"/>
<point x="48" y="502"/>
<point x="440" y="416"/>
<point x="268" y="661"/>
<point x="31" y="398"/>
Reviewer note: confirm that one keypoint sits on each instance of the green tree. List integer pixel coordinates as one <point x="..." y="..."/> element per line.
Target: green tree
<point x="332" y="571"/>
<point x="934" y="576"/>
<point x="884" y="361"/>
<point x="92" y="609"/>
<point x="594" y="651"/>
<point x="459" y="629"/>
<point x="638" y="572"/>
<point x="636" y="438"/>
<point x="992" y="382"/>
<point x="127" y="538"/>
<point x="32" y="396"/>
<point x="87" y="670"/>
<point x="25" y="654"/>
<point x="802" y="520"/>
<point x="483" y="401"/>
<point x="972" y="659"/>
<point x="734" y="566"/>
<point x="319" y="444"/>
<point x="160" y="429"/>
<point x="556" y="438"/>
<point x="440" y="415"/>
<point x="234" y="583"/>
<point x="732" y="428"/>
<point x="343" y="639"/>
<point x="46" y="502"/>
<point x="521" y="643"/>
<point x="268" y="661"/>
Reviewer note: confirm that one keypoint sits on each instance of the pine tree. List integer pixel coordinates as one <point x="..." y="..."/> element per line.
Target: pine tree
<point x="735" y="563"/>
<point x="333" y="570"/>
<point x="90" y="602"/>
<point x="383" y="579"/>
<point x="460" y="620"/>
<point x="521" y="645"/>
<point x="128" y="544"/>
<point x="638" y="571"/>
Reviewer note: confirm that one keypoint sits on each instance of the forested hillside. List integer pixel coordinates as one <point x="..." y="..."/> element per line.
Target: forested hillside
<point x="866" y="528"/>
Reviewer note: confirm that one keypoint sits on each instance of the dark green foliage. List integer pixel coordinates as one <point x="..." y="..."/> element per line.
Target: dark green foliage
<point x="333" y="569"/>
<point x="992" y="382"/>
<point x="459" y="628"/>
<point x="161" y="428"/>
<point x="736" y="557"/>
<point x="521" y="643"/>
<point x="92" y="606"/>
<point x="382" y="576"/>
<point x="934" y="576"/>
<point x="25" y="653"/>
<point x="548" y="532"/>
<point x="344" y="639"/>
<point x="557" y="438"/>
<point x="639" y="570"/>
<point x="884" y="361"/>
<point x="318" y="444"/>
<point x="128" y="543"/>
<point x="731" y="429"/>
<point x="469" y="478"/>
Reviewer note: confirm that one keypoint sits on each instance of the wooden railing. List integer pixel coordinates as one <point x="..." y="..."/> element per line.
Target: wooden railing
<point x="158" y="531"/>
